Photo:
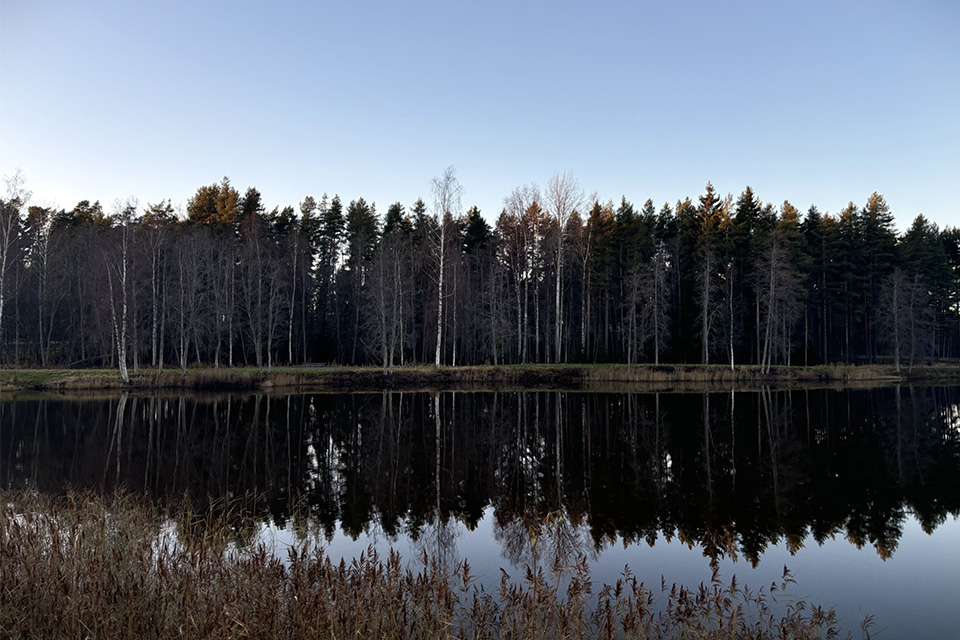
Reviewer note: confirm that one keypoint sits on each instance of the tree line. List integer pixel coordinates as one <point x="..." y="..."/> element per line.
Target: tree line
<point x="559" y="277"/>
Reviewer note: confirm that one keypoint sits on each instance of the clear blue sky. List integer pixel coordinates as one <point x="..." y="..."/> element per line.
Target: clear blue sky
<point x="815" y="102"/>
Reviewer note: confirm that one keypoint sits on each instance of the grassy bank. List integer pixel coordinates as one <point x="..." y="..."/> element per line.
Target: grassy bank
<point x="571" y="377"/>
<point x="84" y="566"/>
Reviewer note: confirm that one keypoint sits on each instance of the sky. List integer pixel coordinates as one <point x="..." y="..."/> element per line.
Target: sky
<point x="818" y="103"/>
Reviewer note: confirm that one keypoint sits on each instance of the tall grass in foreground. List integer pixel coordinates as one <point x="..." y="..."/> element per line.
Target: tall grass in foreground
<point x="86" y="567"/>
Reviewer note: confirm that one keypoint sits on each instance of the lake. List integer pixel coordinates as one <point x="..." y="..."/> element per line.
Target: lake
<point x="857" y="491"/>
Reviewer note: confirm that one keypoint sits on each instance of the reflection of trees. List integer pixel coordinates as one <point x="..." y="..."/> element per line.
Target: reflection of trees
<point x="438" y="540"/>
<point x="116" y="438"/>
<point x="554" y="542"/>
<point x="564" y="473"/>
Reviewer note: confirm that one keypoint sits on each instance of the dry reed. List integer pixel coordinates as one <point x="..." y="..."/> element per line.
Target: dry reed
<point x="83" y="566"/>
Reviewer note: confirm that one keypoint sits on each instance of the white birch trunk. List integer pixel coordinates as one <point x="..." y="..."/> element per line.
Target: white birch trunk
<point x="443" y="238"/>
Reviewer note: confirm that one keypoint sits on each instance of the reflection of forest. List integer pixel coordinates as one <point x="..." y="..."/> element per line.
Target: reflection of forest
<point x="733" y="472"/>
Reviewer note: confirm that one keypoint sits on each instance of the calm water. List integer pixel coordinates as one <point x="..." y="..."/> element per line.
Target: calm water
<point x="856" y="491"/>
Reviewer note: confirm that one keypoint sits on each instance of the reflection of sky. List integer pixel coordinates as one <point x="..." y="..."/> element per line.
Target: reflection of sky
<point x="911" y="595"/>
<point x="914" y="594"/>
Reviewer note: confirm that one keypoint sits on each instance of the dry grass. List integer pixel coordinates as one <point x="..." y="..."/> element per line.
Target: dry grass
<point x="428" y="377"/>
<point x="486" y="377"/>
<point x="86" y="567"/>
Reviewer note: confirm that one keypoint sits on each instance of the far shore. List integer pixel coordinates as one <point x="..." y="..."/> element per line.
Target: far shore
<point x="427" y="377"/>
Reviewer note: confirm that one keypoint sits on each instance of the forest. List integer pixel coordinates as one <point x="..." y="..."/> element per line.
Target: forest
<point x="558" y="277"/>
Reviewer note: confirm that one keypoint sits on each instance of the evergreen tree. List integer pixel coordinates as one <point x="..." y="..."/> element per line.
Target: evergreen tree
<point x="214" y="205"/>
<point x="748" y="229"/>
<point x="818" y="255"/>
<point x="712" y="219"/>
<point x="600" y="279"/>
<point x="879" y="243"/>
<point x="950" y="237"/>
<point x="422" y="295"/>
<point x="476" y="232"/>
<point x="923" y="257"/>
<point x="329" y="251"/>
<point x="851" y="270"/>
<point x="361" y="240"/>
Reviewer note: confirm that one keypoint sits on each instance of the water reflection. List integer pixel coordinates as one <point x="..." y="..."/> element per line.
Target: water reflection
<point x="563" y="473"/>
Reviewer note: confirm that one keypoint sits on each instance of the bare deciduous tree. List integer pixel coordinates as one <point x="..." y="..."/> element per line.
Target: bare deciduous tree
<point x="191" y="289"/>
<point x="118" y="278"/>
<point x="384" y="296"/>
<point x="11" y="207"/>
<point x="636" y="331"/>
<point x="263" y="292"/>
<point x="517" y="238"/>
<point x="563" y="196"/>
<point x="905" y="316"/>
<point x="779" y="302"/>
<point x="446" y="203"/>
<point x="45" y="267"/>
<point x="156" y="225"/>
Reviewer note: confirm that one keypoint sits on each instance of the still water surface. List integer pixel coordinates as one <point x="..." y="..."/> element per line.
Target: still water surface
<point x="856" y="491"/>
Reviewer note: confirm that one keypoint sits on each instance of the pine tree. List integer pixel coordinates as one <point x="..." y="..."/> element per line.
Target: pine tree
<point x="476" y="231"/>
<point x="879" y="242"/>
<point x="361" y="239"/>
<point x="923" y="256"/>
<point x="709" y="234"/>
<point x="749" y="228"/>
<point x="851" y="269"/>
<point x="329" y="251"/>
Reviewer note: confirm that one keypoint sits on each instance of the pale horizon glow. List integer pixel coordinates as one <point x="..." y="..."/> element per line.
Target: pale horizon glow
<point x="818" y="103"/>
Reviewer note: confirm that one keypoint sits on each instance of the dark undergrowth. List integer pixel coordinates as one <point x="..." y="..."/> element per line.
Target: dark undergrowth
<point x="83" y="566"/>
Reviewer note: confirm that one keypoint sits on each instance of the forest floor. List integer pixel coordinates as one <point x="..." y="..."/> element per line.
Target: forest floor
<point x="612" y="377"/>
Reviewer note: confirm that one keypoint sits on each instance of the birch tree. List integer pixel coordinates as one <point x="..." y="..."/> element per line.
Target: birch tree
<point x="446" y="203"/>
<point x="777" y="291"/>
<point x="563" y="196"/>
<point x="254" y="269"/>
<point x="190" y="288"/>
<point x="156" y="224"/>
<point x="384" y="296"/>
<point x="11" y="207"/>
<point x="39" y="231"/>
<point x="118" y="281"/>
<point x="516" y="237"/>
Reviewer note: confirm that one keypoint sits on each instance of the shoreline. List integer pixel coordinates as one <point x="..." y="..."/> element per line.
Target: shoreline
<point x="567" y="377"/>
